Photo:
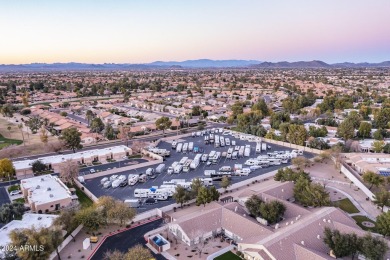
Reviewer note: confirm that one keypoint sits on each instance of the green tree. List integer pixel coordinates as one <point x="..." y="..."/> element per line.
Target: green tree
<point x="64" y="114"/>
<point x="90" y="218"/>
<point x="121" y="213"/>
<point x="225" y="182"/>
<point x="309" y="194"/>
<point x="382" y="119"/>
<point x="378" y="145"/>
<point x="45" y="238"/>
<point x="96" y="125"/>
<point x="89" y="115"/>
<point x="383" y="224"/>
<point x="181" y="195"/>
<point x="34" y="124"/>
<point x="346" y="130"/>
<point x="342" y="245"/>
<point x="288" y="174"/>
<point x="163" y="123"/>
<point x="196" y="110"/>
<point x="373" y="247"/>
<point x="38" y="166"/>
<point x="297" y="134"/>
<point x="204" y="196"/>
<point x="72" y="138"/>
<point x="261" y="106"/>
<point x="196" y="184"/>
<point x="237" y="109"/>
<point x="11" y="211"/>
<point x="364" y="130"/>
<point x="379" y="134"/>
<point x="109" y="132"/>
<point x="373" y="179"/>
<point x="382" y="198"/>
<point x="253" y="205"/>
<point x="6" y="168"/>
<point x="67" y="221"/>
<point x="300" y="162"/>
<point x="7" y="110"/>
<point x="214" y="193"/>
<point x="272" y="211"/>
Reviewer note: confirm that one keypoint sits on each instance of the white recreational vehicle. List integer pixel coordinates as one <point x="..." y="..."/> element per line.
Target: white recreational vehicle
<point x="133" y="179"/>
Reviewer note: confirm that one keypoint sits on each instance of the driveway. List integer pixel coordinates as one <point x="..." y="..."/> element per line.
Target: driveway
<point x="4" y="196"/>
<point x="127" y="239"/>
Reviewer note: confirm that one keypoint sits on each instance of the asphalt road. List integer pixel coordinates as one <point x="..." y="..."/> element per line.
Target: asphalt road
<point x="78" y="118"/>
<point x="128" y="239"/>
<point x="3" y="196"/>
<point x="127" y="192"/>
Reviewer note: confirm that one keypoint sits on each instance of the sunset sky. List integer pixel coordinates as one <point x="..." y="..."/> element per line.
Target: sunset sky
<point x="140" y="31"/>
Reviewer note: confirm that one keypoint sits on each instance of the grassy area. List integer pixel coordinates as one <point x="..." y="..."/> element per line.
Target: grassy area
<point x="13" y="187"/>
<point x="229" y="255"/>
<point x="4" y="142"/>
<point x="84" y="200"/>
<point x="21" y="200"/>
<point x="135" y="156"/>
<point x="346" y="205"/>
<point x="360" y="219"/>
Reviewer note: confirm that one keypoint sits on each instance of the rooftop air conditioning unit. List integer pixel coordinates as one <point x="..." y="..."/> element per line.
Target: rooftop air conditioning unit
<point x="42" y="179"/>
<point x="49" y="189"/>
<point x="51" y="195"/>
<point x="38" y="187"/>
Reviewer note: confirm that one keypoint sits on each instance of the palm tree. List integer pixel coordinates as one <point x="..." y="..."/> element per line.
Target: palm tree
<point x="9" y="129"/>
<point x="20" y="126"/>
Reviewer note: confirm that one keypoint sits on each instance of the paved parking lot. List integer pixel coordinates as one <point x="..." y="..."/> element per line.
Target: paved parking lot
<point x="127" y="192"/>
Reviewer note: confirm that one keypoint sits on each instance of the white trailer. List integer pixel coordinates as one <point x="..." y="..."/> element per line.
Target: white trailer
<point x="204" y="157"/>
<point x="178" y="169"/>
<point x="258" y="147"/>
<point x="263" y="146"/>
<point x="132" y="179"/>
<point x="174" y="144"/>
<point x="185" y="147"/>
<point x="174" y="181"/>
<point x="186" y="166"/>
<point x="115" y="183"/>
<point x="207" y="181"/>
<point x="179" y="147"/>
<point x="247" y="151"/>
<point x="209" y="172"/>
<point x="183" y="160"/>
<point x="195" y="163"/>
<point x="241" y="151"/>
<point x="160" y="168"/>
<point x="133" y="203"/>
<point x="190" y="146"/>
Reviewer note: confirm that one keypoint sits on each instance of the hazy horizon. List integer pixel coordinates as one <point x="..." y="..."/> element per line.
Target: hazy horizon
<point x="139" y="32"/>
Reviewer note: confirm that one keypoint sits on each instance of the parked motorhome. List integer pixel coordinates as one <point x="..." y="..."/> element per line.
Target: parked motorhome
<point x="209" y="172"/>
<point x="142" y="178"/>
<point x="179" y="147"/>
<point x="183" y="160"/>
<point x="190" y="146"/>
<point x="263" y="146"/>
<point x="160" y="168"/>
<point x="258" y="147"/>
<point x="185" y="148"/>
<point x="204" y="157"/>
<point x="247" y="151"/>
<point x="133" y="179"/>
<point x="133" y="203"/>
<point x="174" y="144"/>
<point x="178" y="169"/>
<point x="186" y="165"/>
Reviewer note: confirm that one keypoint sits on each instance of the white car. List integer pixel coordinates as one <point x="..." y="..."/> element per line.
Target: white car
<point x="92" y="170"/>
<point x="15" y="192"/>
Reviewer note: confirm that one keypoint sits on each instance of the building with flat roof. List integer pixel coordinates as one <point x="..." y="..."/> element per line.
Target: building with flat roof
<point x="47" y="193"/>
<point x="375" y="162"/>
<point x="23" y="168"/>
<point x="29" y="220"/>
<point x="299" y="235"/>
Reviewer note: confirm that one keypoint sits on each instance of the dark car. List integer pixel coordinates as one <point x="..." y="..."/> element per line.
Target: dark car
<point x="123" y="183"/>
<point x="150" y="201"/>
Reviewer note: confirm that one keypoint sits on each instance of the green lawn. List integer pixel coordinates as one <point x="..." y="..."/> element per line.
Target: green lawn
<point x="13" y="187"/>
<point x="360" y="219"/>
<point x="21" y="200"/>
<point x="84" y="200"/>
<point x="229" y="255"/>
<point x="346" y="205"/>
<point x="4" y="142"/>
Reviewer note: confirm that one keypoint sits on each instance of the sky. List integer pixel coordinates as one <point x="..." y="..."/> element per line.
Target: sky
<point x="141" y="31"/>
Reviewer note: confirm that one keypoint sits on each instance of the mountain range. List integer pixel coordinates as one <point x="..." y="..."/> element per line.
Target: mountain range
<point x="188" y="64"/>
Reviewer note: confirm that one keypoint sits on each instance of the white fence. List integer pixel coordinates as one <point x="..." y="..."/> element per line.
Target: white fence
<point x="66" y="241"/>
<point x="357" y="182"/>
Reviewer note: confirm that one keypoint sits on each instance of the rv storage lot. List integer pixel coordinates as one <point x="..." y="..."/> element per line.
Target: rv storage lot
<point x="127" y="192"/>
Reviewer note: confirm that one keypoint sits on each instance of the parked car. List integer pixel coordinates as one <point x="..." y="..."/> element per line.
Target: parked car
<point x="15" y="192"/>
<point x="92" y="170"/>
